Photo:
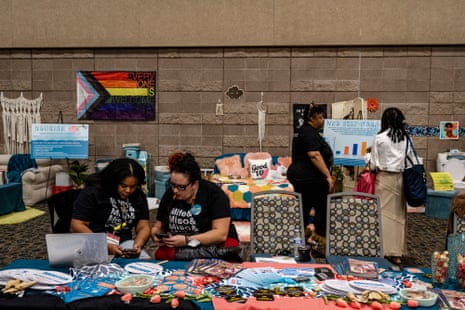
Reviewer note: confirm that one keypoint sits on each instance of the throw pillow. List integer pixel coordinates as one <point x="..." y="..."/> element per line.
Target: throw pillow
<point x="285" y="161"/>
<point x="255" y="155"/>
<point x="258" y="167"/>
<point x="230" y="166"/>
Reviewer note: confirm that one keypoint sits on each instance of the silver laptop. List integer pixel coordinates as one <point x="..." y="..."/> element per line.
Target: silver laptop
<point x="76" y="249"/>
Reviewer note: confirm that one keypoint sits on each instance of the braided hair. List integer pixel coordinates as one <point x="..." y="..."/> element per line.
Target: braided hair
<point x="115" y="172"/>
<point x="393" y="120"/>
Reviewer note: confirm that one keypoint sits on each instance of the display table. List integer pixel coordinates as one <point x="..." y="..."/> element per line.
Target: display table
<point x="41" y="300"/>
<point x="240" y="192"/>
<point x="11" y="196"/>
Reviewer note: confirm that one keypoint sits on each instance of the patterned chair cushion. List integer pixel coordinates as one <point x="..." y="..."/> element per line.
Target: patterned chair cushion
<point x="354" y="226"/>
<point x="459" y="223"/>
<point x="274" y="220"/>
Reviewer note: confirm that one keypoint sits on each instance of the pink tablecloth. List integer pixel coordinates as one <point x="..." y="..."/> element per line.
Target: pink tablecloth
<point x="280" y="302"/>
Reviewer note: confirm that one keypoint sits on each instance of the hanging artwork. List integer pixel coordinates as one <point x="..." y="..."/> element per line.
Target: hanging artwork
<point x="449" y="130"/>
<point x="116" y="95"/>
<point x="18" y="115"/>
<point x="261" y="108"/>
<point x="300" y="113"/>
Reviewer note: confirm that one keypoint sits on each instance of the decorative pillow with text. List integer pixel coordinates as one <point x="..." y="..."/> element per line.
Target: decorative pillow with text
<point x="257" y="167"/>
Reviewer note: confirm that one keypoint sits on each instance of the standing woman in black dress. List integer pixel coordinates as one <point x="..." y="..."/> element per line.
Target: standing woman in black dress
<point x="310" y="171"/>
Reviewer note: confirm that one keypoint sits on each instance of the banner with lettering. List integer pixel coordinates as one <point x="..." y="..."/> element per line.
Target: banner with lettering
<point x="350" y="139"/>
<point x="60" y="141"/>
<point x="116" y="95"/>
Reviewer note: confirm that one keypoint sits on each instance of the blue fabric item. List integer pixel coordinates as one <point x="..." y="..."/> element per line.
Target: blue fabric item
<point x="240" y="214"/>
<point x="17" y="164"/>
<point x="11" y="196"/>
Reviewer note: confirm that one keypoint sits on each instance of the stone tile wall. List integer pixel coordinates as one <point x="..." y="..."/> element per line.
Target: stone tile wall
<point x="427" y="83"/>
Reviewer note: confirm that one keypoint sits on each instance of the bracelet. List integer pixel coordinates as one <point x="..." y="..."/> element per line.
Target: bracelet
<point x="187" y="239"/>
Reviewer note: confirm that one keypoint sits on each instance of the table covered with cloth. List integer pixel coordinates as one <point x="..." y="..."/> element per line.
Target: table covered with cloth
<point x="240" y="192"/>
<point x="38" y="299"/>
<point x="42" y="300"/>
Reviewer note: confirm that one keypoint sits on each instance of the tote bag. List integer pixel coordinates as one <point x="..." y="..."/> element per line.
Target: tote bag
<point x="414" y="178"/>
<point x="365" y="182"/>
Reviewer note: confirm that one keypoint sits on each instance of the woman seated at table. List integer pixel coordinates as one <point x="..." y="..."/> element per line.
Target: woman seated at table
<point x="113" y="202"/>
<point x="194" y="217"/>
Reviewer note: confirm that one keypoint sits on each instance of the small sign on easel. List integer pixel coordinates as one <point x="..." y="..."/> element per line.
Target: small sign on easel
<point x="442" y="181"/>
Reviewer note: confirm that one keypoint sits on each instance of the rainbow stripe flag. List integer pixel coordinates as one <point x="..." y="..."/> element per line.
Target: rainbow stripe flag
<point x="116" y="95"/>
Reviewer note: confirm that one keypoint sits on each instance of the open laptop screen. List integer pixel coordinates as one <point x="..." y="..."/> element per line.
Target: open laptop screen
<point x="76" y="249"/>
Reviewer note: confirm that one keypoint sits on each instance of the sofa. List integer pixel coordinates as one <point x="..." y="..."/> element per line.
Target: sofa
<point x="37" y="182"/>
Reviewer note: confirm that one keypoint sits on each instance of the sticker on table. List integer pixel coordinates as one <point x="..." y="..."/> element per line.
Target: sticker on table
<point x="413" y="270"/>
<point x="143" y="267"/>
<point x="341" y="286"/>
<point x="48" y="277"/>
<point x="373" y="286"/>
<point x="42" y="287"/>
<point x="297" y="272"/>
<point x="328" y="290"/>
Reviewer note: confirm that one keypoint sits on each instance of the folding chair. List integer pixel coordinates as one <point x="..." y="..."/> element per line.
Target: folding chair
<point x="354" y="228"/>
<point x="60" y="207"/>
<point x="275" y="215"/>
<point x="459" y="223"/>
<point x="354" y="225"/>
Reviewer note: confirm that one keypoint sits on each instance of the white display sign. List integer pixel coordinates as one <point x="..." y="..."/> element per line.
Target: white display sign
<point x="350" y="139"/>
<point x="60" y="141"/>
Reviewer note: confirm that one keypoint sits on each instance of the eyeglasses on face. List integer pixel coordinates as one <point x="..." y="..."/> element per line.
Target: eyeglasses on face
<point x="180" y="187"/>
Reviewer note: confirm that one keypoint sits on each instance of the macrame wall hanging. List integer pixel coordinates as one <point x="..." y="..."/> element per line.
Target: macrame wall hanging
<point x="261" y="120"/>
<point x="18" y="115"/>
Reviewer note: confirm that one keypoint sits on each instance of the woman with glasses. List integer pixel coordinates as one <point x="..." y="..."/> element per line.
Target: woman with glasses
<point x="113" y="202"/>
<point x="194" y="216"/>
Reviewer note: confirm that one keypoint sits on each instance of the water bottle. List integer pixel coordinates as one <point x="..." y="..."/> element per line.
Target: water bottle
<point x="297" y="242"/>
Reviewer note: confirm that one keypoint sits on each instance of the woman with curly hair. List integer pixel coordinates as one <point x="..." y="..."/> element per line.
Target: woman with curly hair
<point x="194" y="216"/>
<point x="113" y="202"/>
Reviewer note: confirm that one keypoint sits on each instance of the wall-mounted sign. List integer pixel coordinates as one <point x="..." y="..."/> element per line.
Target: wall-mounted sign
<point x="60" y="141"/>
<point x="350" y="139"/>
<point x="116" y="95"/>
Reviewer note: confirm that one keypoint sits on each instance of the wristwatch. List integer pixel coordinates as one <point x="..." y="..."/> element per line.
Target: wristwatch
<point x="193" y="243"/>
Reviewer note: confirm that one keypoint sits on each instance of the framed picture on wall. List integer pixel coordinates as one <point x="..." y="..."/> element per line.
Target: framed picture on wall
<point x="116" y="95"/>
<point x="449" y="130"/>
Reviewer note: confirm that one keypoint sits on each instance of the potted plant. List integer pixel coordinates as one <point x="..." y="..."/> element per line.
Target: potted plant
<point x="338" y="173"/>
<point x="78" y="172"/>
